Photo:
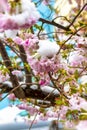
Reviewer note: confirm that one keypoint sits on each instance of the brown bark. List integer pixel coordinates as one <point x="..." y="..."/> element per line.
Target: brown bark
<point x="24" y="59"/>
<point x="54" y="24"/>
<point x="18" y="92"/>
<point x="34" y="94"/>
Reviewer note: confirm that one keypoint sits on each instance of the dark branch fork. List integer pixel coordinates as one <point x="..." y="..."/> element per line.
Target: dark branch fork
<point x="53" y="23"/>
<point x="19" y="92"/>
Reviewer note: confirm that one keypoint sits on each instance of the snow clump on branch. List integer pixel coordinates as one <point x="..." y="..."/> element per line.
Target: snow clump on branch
<point x="47" y="48"/>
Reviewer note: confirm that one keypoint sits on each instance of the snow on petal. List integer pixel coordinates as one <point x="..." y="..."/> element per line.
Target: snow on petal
<point x="47" y="48"/>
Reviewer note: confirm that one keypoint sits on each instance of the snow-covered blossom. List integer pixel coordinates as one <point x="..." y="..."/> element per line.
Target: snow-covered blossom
<point x="47" y="48"/>
<point x="44" y="58"/>
<point x="19" y="74"/>
<point x="10" y="33"/>
<point x="21" y="17"/>
<point x="78" y="57"/>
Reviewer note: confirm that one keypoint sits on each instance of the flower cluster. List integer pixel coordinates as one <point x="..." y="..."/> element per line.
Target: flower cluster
<point x="3" y="77"/>
<point x="41" y="55"/>
<point x="29" y="108"/>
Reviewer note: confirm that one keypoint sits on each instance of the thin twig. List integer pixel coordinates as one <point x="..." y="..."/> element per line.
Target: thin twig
<point x="17" y="88"/>
<point x="59" y="90"/>
<point x="33" y="121"/>
<point x="83" y="70"/>
<point x="70" y="38"/>
<point x="77" y="15"/>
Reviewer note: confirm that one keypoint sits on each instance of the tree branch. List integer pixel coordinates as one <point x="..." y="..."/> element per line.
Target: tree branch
<point x="18" y="92"/>
<point x="33" y="93"/>
<point x="24" y="59"/>
<point x="61" y="26"/>
<point x="54" y="24"/>
<point x="77" y="16"/>
<point x="70" y="38"/>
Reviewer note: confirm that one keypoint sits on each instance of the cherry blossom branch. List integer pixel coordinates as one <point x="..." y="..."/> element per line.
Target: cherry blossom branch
<point x="70" y="38"/>
<point x="83" y="70"/>
<point x="32" y="93"/>
<point x="11" y="90"/>
<point x="19" y="92"/>
<point x="24" y="59"/>
<point x="59" y="90"/>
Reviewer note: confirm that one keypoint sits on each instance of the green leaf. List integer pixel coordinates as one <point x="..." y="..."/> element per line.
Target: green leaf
<point x="58" y="102"/>
<point x="83" y="116"/>
<point x="76" y="74"/>
<point x="74" y="90"/>
<point x="38" y="27"/>
<point x="27" y="66"/>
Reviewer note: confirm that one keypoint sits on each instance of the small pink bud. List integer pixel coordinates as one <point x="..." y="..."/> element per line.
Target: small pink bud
<point x="12" y="97"/>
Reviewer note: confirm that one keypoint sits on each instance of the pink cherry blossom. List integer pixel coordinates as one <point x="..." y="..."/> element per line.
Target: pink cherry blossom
<point x="78" y="103"/>
<point x="18" y="40"/>
<point x="4" y="6"/>
<point x="32" y="110"/>
<point x="62" y="112"/>
<point x="12" y="97"/>
<point x="43" y="82"/>
<point x="46" y="2"/>
<point x="69" y="124"/>
<point x="3" y="77"/>
<point x="82" y="125"/>
<point x="29" y="41"/>
<point x="52" y="114"/>
<point x="44" y="64"/>
<point x="43" y="117"/>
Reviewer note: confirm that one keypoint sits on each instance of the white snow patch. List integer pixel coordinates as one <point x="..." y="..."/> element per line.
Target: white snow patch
<point x="47" y="48"/>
